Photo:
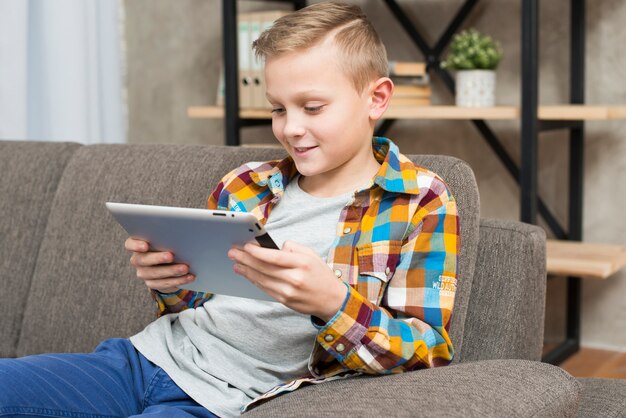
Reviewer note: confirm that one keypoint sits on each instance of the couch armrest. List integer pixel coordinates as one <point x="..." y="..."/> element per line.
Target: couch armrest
<point x="493" y="388"/>
<point x="505" y="317"/>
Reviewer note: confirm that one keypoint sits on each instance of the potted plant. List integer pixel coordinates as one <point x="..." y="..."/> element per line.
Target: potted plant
<point x="475" y="57"/>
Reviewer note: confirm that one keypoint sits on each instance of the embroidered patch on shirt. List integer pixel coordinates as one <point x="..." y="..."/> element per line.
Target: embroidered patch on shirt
<point x="446" y="285"/>
<point x="276" y="181"/>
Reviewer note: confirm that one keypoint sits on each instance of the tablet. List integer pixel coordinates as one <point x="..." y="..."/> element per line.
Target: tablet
<point x="199" y="238"/>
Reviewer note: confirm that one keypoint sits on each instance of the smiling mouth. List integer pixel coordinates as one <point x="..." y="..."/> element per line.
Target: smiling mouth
<point x="303" y="149"/>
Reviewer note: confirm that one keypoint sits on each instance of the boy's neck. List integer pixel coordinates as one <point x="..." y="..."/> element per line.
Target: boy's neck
<point x="340" y="181"/>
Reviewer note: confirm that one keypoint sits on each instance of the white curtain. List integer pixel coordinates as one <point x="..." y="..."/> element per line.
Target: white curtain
<point x="62" y="71"/>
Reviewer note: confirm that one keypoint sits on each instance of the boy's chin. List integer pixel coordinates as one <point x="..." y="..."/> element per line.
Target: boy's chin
<point x="307" y="170"/>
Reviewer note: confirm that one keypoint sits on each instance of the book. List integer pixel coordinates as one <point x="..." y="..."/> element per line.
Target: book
<point x="407" y="68"/>
<point x="405" y="72"/>
<point x="411" y="95"/>
<point x="411" y="90"/>
<point x="409" y="101"/>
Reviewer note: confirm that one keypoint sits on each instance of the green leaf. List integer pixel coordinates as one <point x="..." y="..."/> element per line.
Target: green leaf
<point x="472" y="50"/>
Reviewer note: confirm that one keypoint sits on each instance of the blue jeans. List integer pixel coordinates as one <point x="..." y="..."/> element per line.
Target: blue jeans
<point x="113" y="381"/>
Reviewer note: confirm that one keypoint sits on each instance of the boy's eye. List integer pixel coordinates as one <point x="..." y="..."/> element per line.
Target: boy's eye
<point x="277" y="110"/>
<point x="313" y="109"/>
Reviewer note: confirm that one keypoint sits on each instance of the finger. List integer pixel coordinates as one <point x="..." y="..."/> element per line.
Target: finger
<point x="162" y="272"/>
<point x="136" y="245"/>
<point x="243" y="258"/>
<point x="151" y="259"/>
<point x="294" y="247"/>
<point x="276" y="263"/>
<point x="170" y="284"/>
<point x="259" y="279"/>
<point x="273" y="257"/>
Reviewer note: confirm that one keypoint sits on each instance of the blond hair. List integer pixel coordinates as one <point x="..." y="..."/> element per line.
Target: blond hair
<point x="363" y="55"/>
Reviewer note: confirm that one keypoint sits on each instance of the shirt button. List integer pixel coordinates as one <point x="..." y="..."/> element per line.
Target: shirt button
<point x="347" y="230"/>
<point x="328" y="338"/>
<point x="340" y="347"/>
<point x="387" y="271"/>
<point x="338" y="273"/>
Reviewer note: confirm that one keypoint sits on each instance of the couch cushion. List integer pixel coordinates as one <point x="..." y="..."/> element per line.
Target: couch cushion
<point x="602" y="398"/>
<point x="495" y="388"/>
<point x="29" y="175"/>
<point x="84" y="289"/>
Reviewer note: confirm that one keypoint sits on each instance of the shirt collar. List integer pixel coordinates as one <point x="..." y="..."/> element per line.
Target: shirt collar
<point x="397" y="173"/>
<point x="277" y="176"/>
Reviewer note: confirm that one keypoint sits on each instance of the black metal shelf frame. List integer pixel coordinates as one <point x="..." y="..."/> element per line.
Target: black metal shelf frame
<point x="526" y="173"/>
<point x="571" y="344"/>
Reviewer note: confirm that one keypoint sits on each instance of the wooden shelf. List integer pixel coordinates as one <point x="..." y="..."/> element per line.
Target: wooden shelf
<point x="216" y="112"/>
<point x="582" y="112"/>
<point x="583" y="259"/>
<point x="560" y="112"/>
<point x="453" y="112"/>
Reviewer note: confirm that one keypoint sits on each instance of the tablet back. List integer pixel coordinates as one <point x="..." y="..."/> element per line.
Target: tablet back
<point x="199" y="238"/>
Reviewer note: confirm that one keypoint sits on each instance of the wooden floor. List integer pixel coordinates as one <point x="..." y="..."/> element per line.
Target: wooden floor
<point x="591" y="362"/>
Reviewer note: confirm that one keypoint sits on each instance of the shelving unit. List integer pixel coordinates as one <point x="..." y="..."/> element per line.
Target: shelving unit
<point x="533" y="120"/>
<point x="546" y="113"/>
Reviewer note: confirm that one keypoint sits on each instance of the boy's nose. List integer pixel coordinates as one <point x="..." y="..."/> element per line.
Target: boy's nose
<point x="294" y="127"/>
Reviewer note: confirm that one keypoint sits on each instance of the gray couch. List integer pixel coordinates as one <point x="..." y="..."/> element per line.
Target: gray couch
<point x="67" y="284"/>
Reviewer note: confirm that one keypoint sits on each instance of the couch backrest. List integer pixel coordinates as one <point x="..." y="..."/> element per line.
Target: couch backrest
<point x="29" y="175"/>
<point x="460" y="178"/>
<point x="83" y="269"/>
<point x="83" y="288"/>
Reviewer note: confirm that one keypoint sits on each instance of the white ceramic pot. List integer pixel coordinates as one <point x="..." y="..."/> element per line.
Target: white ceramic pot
<point x="475" y="88"/>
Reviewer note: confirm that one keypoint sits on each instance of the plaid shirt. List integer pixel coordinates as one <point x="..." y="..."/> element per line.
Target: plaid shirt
<point x="396" y="248"/>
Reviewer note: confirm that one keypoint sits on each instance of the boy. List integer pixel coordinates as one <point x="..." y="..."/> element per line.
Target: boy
<point x="366" y="241"/>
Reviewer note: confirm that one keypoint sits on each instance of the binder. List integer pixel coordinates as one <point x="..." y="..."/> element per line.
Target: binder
<point x="244" y="47"/>
<point x="251" y="76"/>
<point x="256" y="65"/>
<point x="221" y="88"/>
<point x="266" y="20"/>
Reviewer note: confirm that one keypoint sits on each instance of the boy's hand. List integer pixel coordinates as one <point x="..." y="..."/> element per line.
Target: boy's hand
<point x="155" y="268"/>
<point x="295" y="276"/>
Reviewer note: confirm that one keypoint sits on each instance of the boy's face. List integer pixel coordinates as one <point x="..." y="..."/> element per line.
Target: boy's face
<point x="318" y="116"/>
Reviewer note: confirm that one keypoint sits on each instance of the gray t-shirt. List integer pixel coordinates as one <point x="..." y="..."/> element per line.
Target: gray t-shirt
<point x="231" y="350"/>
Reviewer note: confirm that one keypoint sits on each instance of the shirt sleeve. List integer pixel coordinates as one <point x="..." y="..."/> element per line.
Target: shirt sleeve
<point x="410" y="329"/>
<point x="167" y="303"/>
<point x="182" y="299"/>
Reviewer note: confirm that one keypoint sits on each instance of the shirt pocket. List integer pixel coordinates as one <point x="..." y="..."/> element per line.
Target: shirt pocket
<point x="377" y="263"/>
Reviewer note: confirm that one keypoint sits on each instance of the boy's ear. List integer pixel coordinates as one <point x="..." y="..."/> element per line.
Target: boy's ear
<point x="380" y="95"/>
